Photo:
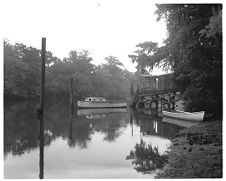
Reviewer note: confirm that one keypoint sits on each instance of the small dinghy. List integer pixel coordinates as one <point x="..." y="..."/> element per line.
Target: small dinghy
<point x="190" y="116"/>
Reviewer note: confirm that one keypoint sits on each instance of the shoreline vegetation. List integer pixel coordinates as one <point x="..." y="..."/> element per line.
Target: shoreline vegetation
<point x="195" y="152"/>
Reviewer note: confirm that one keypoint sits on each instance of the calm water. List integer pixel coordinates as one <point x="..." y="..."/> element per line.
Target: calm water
<point x="83" y="144"/>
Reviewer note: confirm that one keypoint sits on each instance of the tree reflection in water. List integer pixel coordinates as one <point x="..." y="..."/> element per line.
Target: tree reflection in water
<point x="146" y="158"/>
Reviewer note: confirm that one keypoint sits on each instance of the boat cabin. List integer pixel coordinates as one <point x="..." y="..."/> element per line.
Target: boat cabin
<point x="96" y="116"/>
<point x="95" y="99"/>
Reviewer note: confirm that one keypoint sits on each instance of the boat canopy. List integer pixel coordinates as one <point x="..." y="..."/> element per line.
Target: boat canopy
<point x="97" y="99"/>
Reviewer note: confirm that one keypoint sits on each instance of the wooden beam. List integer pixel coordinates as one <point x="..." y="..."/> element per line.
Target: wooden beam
<point x="71" y="93"/>
<point x="41" y="116"/>
<point x="43" y="73"/>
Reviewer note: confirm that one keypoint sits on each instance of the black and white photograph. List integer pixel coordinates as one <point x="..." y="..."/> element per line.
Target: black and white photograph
<point x="112" y="89"/>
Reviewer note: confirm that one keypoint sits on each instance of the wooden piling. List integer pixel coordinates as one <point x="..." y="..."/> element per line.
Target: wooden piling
<point x="131" y="90"/>
<point x="41" y="116"/>
<point x="157" y="103"/>
<point x="70" y="137"/>
<point x="43" y="73"/>
<point x="71" y="93"/>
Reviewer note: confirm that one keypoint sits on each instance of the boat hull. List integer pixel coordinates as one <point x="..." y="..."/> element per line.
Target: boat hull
<point x="87" y="104"/>
<point x="196" y="116"/>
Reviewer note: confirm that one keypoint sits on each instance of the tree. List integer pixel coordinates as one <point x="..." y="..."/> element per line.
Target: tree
<point x="78" y="65"/>
<point x="116" y="78"/>
<point x="196" y="61"/>
<point x="145" y="57"/>
<point x="14" y="71"/>
<point x="22" y="74"/>
<point x="215" y="23"/>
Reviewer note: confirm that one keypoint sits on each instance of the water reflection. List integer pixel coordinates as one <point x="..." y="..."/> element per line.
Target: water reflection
<point x="152" y="125"/>
<point x="80" y="144"/>
<point x="70" y="142"/>
<point x="146" y="158"/>
<point x="86" y="112"/>
<point x="21" y="128"/>
<point x="180" y="122"/>
<point x="41" y="143"/>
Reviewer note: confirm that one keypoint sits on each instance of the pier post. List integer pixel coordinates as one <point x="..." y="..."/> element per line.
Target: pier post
<point x="157" y="104"/>
<point x="43" y="73"/>
<point x="41" y="110"/>
<point x="71" y="93"/>
<point x="70" y="137"/>
<point x="131" y="90"/>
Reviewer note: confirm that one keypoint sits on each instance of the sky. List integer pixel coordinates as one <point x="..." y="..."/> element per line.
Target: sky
<point x="104" y="27"/>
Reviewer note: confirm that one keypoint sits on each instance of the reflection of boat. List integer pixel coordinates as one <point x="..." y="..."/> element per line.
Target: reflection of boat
<point x="100" y="111"/>
<point x="99" y="102"/>
<point x="179" y="122"/>
<point x="194" y="116"/>
<point x="95" y="116"/>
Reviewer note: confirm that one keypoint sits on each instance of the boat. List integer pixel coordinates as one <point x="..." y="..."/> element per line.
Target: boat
<point x="99" y="102"/>
<point x="191" y="116"/>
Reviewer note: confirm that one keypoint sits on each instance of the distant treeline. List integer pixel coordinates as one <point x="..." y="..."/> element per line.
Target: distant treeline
<point x="22" y="74"/>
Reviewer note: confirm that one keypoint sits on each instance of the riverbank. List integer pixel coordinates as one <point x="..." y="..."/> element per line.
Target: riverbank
<point x="195" y="152"/>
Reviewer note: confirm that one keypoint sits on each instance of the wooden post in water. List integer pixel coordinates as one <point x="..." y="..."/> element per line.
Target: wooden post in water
<point x="41" y="115"/>
<point x="70" y="137"/>
<point x="157" y="104"/>
<point x="71" y="93"/>
<point x="43" y="73"/>
<point x="131" y="90"/>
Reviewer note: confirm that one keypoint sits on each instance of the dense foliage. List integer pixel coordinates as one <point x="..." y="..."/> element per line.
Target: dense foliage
<point x="22" y="74"/>
<point x="192" y="50"/>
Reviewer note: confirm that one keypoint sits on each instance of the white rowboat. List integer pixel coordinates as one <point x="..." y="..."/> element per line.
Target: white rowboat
<point x="191" y="116"/>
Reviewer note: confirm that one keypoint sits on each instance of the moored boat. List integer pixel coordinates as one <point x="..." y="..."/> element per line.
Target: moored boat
<point x="191" y="116"/>
<point x="99" y="102"/>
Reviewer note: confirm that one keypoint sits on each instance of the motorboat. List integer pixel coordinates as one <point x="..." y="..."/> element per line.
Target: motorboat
<point x="99" y="102"/>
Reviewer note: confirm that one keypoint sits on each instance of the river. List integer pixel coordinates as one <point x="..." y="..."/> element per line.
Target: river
<point x="83" y="143"/>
